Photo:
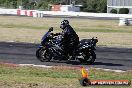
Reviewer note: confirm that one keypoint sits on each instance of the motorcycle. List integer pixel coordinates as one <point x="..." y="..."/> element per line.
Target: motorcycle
<point x="51" y="48"/>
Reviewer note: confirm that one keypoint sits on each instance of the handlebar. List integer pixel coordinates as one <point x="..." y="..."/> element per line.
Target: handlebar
<point x="50" y="29"/>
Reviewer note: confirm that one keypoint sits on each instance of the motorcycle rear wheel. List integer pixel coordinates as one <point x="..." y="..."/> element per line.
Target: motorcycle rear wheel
<point x="90" y="58"/>
<point x="43" y="55"/>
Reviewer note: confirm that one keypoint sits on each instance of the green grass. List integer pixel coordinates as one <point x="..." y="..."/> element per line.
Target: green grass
<point x="58" y="77"/>
<point x="30" y="30"/>
<point x="97" y="29"/>
<point x="81" y="25"/>
<point x="22" y="26"/>
<point x="104" y="30"/>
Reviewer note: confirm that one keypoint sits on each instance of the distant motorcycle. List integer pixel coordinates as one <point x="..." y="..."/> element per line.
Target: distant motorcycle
<point x="51" y="48"/>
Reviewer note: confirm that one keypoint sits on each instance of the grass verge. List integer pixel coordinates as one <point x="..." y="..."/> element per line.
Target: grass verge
<point x="30" y="30"/>
<point x="81" y="28"/>
<point x="57" y="77"/>
<point x="81" y="25"/>
<point x="106" y="30"/>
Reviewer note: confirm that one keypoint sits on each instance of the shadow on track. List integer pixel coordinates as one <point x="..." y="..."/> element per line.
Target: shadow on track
<point x="78" y="63"/>
<point x="107" y="64"/>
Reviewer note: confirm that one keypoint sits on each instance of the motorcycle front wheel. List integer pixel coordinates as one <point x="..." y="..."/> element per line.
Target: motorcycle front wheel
<point x="43" y="55"/>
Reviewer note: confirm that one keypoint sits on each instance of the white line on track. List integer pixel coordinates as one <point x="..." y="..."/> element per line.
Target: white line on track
<point x="110" y="70"/>
<point x="44" y="66"/>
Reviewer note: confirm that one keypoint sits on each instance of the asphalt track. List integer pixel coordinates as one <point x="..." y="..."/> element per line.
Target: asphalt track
<point x="108" y="58"/>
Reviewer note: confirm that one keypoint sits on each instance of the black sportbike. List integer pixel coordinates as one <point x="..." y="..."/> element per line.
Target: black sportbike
<point x="51" y="48"/>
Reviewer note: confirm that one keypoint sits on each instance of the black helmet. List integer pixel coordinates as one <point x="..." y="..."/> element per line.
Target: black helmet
<point x="64" y="23"/>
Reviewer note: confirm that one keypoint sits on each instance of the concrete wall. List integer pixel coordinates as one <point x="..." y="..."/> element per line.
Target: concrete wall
<point x="117" y="4"/>
<point x="34" y="13"/>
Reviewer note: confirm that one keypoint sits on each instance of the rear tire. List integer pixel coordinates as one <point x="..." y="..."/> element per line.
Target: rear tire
<point x="43" y="55"/>
<point x="90" y="58"/>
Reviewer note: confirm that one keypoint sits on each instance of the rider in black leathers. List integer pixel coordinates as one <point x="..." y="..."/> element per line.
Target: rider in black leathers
<point x="70" y="38"/>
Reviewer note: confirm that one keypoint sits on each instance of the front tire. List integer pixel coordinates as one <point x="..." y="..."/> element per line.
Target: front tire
<point x="43" y="55"/>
